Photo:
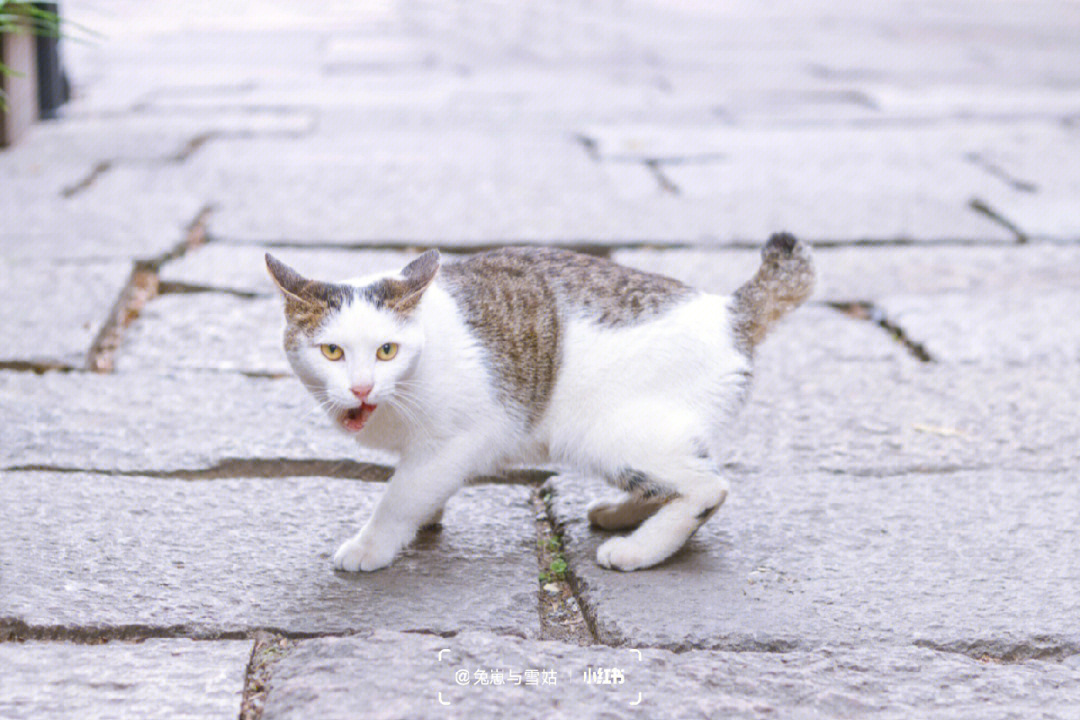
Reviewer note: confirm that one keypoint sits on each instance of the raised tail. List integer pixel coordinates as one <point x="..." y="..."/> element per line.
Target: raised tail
<point x="784" y="280"/>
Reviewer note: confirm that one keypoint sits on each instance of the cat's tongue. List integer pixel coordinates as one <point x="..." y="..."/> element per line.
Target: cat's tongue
<point x="354" y="419"/>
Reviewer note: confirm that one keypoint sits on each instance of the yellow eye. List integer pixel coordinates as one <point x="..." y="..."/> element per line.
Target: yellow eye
<point x="387" y="351"/>
<point x="332" y="352"/>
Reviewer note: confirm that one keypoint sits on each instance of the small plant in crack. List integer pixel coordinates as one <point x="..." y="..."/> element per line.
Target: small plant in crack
<point x="552" y="543"/>
<point x="556" y="569"/>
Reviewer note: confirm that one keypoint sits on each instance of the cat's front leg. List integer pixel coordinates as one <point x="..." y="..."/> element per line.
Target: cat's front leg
<point x="415" y="496"/>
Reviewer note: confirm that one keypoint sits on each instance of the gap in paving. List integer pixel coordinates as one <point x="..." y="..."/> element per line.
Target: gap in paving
<point x="983" y="208"/>
<point x="1000" y="173"/>
<point x="192" y="146"/>
<point x="573" y="582"/>
<point x="666" y="184"/>
<point x="182" y="288"/>
<point x="997" y="651"/>
<point x="142" y="286"/>
<point x="268" y="650"/>
<point x="412" y="246"/>
<point x="605" y="249"/>
<point x="37" y="367"/>
<point x="91" y="177"/>
<point x="561" y="617"/>
<point x="864" y="310"/>
<point x="272" y="468"/>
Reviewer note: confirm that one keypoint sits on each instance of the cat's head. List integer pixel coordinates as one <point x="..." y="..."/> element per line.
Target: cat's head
<point x="354" y="344"/>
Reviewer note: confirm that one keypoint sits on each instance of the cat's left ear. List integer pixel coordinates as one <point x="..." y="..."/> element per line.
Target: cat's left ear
<point x="417" y="277"/>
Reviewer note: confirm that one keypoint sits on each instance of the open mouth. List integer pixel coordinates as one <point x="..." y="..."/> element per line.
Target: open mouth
<point x="354" y="418"/>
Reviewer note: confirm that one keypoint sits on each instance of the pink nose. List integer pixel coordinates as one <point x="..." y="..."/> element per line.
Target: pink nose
<point x="361" y="391"/>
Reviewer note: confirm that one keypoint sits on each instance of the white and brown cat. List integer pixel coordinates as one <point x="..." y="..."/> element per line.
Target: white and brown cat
<point x="537" y="355"/>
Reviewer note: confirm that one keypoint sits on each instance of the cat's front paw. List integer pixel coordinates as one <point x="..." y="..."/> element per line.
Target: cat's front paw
<point x="364" y="552"/>
<point x="622" y="553"/>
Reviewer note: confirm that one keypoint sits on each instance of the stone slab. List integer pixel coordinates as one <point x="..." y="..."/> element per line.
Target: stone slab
<point x="393" y="675"/>
<point x="50" y="312"/>
<point x="242" y="268"/>
<point x="154" y="679"/>
<point x="890" y="416"/>
<point x="164" y="422"/>
<point x="206" y="331"/>
<point x="128" y="212"/>
<point x="977" y="562"/>
<point x="847" y="274"/>
<point x="92" y="552"/>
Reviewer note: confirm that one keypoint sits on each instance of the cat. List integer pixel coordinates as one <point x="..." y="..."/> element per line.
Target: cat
<point x="525" y="355"/>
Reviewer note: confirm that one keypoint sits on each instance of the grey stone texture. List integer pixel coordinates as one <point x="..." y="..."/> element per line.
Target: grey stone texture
<point x="206" y="331"/>
<point x="391" y="675"/>
<point x="164" y="422"/>
<point x="205" y="559"/>
<point x="898" y="416"/>
<point x="50" y="312"/>
<point x="101" y="222"/>
<point x="153" y="679"/>
<point x="976" y="562"/>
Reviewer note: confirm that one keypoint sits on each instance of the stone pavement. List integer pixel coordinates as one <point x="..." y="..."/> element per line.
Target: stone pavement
<point x="901" y="538"/>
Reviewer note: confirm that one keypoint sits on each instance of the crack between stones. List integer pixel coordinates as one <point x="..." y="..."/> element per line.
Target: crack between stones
<point x="89" y="179"/>
<point x="545" y="515"/>
<point x="172" y="287"/>
<point x="589" y="145"/>
<point x="192" y="146"/>
<point x="984" y="209"/>
<point x="561" y="616"/>
<point x="141" y="287"/>
<point x="273" y="468"/>
<point x="38" y="367"/>
<point x="1000" y="173"/>
<point x="605" y="249"/>
<point x="412" y="246"/>
<point x="666" y="184"/>
<point x="267" y="650"/>
<point x="990" y="650"/>
<point x="865" y="310"/>
<point x="987" y="650"/>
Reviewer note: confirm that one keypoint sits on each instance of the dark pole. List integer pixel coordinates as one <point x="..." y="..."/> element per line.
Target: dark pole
<point x="53" y="88"/>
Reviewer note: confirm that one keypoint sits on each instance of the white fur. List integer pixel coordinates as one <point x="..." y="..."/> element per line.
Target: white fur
<point x="648" y="396"/>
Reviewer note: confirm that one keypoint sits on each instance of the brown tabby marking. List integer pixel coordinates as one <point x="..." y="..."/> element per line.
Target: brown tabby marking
<point x="516" y="299"/>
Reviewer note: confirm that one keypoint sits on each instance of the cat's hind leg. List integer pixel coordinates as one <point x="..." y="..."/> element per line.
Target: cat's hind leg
<point x="623" y="515"/>
<point x="645" y="498"/>
<point x="694" y="491"/>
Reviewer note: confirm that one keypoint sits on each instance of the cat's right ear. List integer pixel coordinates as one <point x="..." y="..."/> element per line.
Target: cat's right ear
<point x="293" y="285"/>
<point x="418" y="275"/>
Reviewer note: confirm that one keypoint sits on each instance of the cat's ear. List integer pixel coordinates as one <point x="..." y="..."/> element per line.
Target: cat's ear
<point x="417" y="277"/>
<point x="295" y="287"/>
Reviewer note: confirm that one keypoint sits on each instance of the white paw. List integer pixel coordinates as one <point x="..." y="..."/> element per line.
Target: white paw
<point x="621" y="554"/>
<point x="364" y="552"/>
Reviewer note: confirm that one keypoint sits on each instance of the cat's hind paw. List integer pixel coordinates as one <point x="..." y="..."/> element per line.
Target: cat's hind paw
<point x="363" y="553"/>
<point x="622" y="553"/>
